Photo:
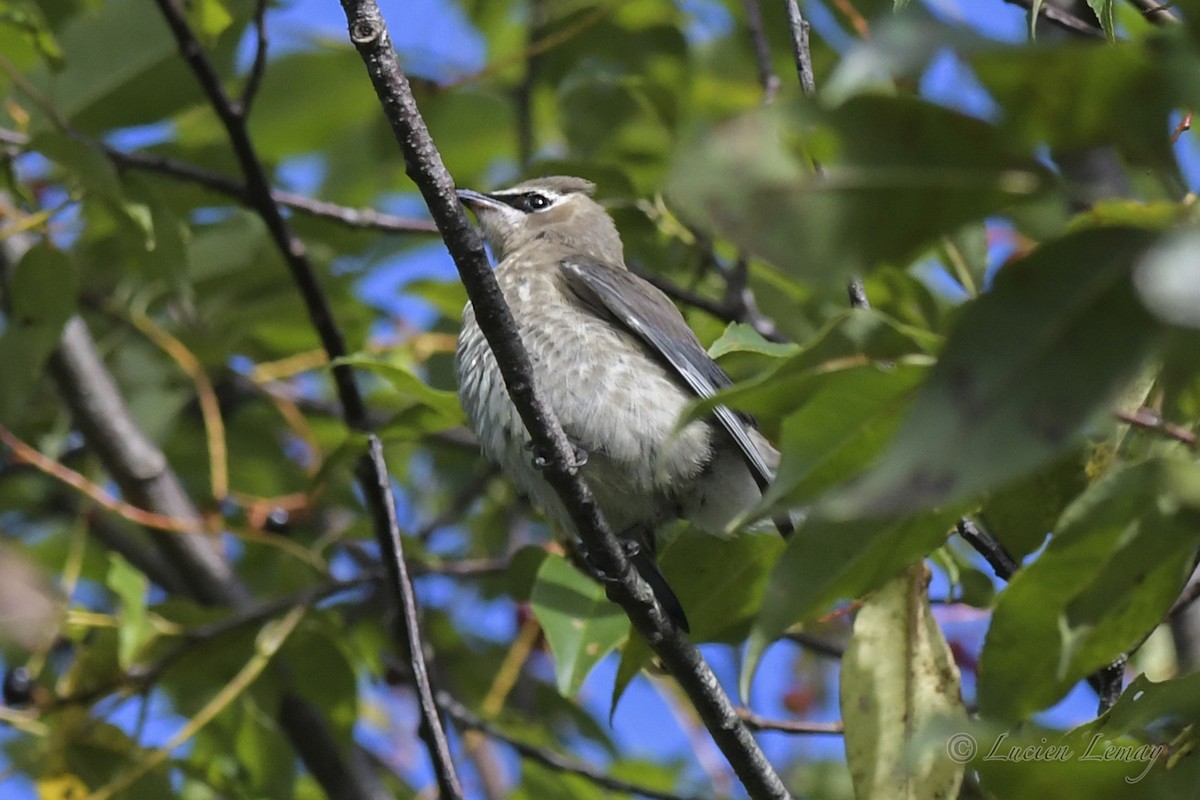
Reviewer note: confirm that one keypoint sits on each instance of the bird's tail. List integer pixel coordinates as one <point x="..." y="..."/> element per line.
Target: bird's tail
<point x="643" y="560"/>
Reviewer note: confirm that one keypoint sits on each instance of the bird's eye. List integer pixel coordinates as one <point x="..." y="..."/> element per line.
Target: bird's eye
<point x="537" y="202"/>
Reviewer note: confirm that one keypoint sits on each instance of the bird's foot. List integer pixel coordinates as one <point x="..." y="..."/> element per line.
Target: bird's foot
<point x="632" y="549"/>
<point x="579" y="457"/>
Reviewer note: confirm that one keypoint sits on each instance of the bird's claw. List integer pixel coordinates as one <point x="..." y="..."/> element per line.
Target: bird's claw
<point x="579" y="457"/>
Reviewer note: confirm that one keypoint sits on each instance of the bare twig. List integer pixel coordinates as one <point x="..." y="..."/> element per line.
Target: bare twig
<point x="800" y="48"/>
<point x="1148" y="419"/>
<point x="802" y="52"/>
<point x="857" y="294"/>
<point x="1185" y="125"/>
<point x="383" y="508"/>
<point x="259" y="66"/>
<point x="762" y="51"/>
<point x="761" y="723"/>
<point x="365" y="218"/>
<point x="1004" y="565"/>
<point x="548" y="758"/>
<point x="626" y="587"/>
<point x="372" y="471"/>
<point x="1156" y="12"/>
<point x="1063" y="19"/>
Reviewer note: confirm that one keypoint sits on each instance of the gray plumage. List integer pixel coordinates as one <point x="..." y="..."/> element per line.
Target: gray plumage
<point x="616" y="363"/>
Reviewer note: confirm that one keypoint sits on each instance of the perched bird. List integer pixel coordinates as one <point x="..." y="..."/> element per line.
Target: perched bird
<point x="617" y="364"/>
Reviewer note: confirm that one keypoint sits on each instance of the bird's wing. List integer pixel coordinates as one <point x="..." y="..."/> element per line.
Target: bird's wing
<point x="646" y="312"/>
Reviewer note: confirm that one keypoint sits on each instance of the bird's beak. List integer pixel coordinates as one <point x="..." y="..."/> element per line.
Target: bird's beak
<point x="476" y="200"/>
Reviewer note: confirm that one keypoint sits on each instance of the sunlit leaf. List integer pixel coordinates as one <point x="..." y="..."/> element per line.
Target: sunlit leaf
<point x="134" y="630"/>
<point x="580" y="623"/>
<point x="898" y="676"/>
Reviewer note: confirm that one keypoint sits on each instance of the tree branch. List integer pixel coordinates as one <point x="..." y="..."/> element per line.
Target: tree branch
<point x="627" y="588"/>
<point x="762" y="51"/>
<point x="142" y="472"/>
<point x="761" y="723"/>
<point x="372" y="471"/>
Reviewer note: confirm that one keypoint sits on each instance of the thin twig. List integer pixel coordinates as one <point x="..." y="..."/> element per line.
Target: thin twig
<point x="1156" y="12"/>
<point x="259" y="66"/>
<point x="372" y="471"/>
<point x="383" y="508"/>
<point x="1185" y="125"/>
<point x="1148" y="419"/>
<point x="463" y="717"/>
<point x="762" y="51"/>
<point x="800" y="48"/>
<point x="364" y="218"/>
<point x="857" y="294"/>
<point x="27" y="454"/>
<point x="761" y="723"/>
<point x="1063" y="19"/>
<point x="626" y="587"/>
<point x="1004" y="565"/>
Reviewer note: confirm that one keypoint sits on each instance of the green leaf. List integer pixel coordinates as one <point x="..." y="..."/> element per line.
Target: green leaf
<point x="1105" y="13"/>
<point x="898" y="676"/>
<point x="27" y="19"/>
<point x="1022" y="514"/>
<point x="85" y="165"/>
<point x="828" y="560"/>
<point x="1117" y="561"/>
<point x="742" y="338"/>
<point x="41" y="293"/>
<point x="409" y="388"/>
<point x="1119" y="97"/>
<point x="852" y="338"/>
<point x="1020" y="378"/>
<point x="580" y="624"/>
<point x="134" y="629"/>
<point x="840" y="428"/>
<point x="720" y="584"/>
<point x="329" y="79"/>
<point x="898" y="172"/>
<point x="208" y="18"/>
<point x="97" y="91"/>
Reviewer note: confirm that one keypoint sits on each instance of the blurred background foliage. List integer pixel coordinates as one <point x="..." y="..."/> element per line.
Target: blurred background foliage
<point x="1017" y="198"/>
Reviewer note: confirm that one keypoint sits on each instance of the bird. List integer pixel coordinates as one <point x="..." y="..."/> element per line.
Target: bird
<point x="616" y="362"/>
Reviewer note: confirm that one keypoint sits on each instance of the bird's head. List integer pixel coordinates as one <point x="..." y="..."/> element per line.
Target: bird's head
<point x="555" y="212"/>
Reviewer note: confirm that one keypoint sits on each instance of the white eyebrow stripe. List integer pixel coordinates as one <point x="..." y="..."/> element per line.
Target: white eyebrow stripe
<point x="549" y="194"/>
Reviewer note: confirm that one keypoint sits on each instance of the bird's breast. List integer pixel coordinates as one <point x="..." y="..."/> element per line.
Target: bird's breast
<point x="611" y="396"/>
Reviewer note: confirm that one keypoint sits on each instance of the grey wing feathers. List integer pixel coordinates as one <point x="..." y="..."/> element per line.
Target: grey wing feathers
<point x="649" y="314"/>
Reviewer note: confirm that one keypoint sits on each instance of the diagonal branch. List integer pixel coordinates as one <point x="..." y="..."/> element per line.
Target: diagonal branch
<point x="372" y="471"/>
<point x="369" y="35"/>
